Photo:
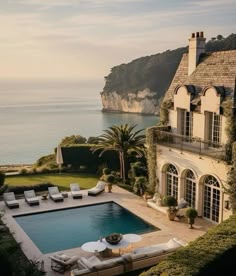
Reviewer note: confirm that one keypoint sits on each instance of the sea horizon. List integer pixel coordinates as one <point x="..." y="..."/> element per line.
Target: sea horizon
<point x="35" y="115"/>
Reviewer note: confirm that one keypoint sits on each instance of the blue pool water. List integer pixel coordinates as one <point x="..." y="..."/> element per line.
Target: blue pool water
<point x="69" y="228"/>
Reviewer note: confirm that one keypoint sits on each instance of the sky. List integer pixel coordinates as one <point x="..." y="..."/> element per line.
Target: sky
<point x="84" y="39"/>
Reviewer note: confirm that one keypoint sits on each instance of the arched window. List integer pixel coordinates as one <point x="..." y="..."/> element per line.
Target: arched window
<point x="212" y="195"/>
<point x="172" y="181"/>
<point x="190" y="188"/>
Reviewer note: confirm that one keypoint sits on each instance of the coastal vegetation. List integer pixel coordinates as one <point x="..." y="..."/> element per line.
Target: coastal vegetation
<point x="155" y="72"/>
<point x="12" y="259"/>
<point x="121" y="139"/>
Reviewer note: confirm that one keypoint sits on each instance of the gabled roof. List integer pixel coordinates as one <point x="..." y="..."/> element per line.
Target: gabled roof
<point x="214" y="69"/>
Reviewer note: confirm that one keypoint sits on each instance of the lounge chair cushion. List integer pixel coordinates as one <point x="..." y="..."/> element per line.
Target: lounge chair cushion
<point x="10" y="199"/>
<point x="75" y="190"/>
<point x="101" y="185"/>
<point x="30" y="197"/>
<point x="55" y="194"/>
<point x="12" y="202"/>
<point x="99" y="188"/>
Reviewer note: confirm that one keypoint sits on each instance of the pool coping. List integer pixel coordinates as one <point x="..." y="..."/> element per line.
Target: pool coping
<point x="131" y="202"/>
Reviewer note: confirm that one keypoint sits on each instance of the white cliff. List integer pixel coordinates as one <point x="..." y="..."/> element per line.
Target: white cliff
<point x="143" y="101"/>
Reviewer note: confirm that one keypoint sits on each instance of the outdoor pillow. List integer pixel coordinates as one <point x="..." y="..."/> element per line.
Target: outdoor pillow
<point x="90" y="262"/>
<point x="63" y="257"/>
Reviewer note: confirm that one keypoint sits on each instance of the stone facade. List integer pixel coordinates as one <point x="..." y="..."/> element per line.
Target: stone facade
<point x="191" y="155"/>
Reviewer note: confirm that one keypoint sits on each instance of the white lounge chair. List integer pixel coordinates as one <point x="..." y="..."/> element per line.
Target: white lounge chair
<point x="99" y="188"/>
<point x="61" y="262"/>
<point x="54" y="194"/>
<point x="31" y="198"/>
<point x="10" y="200"/>
<point x="75" y="190"/>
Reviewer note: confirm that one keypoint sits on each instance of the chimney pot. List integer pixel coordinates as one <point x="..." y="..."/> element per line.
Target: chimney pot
<point x="193" y="35"/>
<point x="197" y="34"/>
<point x="201" y="34"/>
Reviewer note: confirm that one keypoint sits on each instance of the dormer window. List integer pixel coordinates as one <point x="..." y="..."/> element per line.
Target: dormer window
<point x="213" y="128"/>
<point x="185" y="122"/>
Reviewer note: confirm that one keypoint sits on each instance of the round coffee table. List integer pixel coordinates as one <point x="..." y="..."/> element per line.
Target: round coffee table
<point x="94" y="246"/>
<point x="132" y="238"/>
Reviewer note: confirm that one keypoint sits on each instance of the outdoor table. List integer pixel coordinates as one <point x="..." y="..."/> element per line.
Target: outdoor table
<point x="132" y="237"/>
<point x="94" y="246"/>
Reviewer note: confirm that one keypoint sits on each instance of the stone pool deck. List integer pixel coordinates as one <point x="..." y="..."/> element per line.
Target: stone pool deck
<point x="137" y="205"/>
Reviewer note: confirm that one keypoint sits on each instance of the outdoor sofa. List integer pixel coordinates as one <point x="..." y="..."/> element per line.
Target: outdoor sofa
<point x="99" y="188"/>
<point x="61" y="262"/>
<point x="137" y="259"/>
<point x="10" y="200"/>
<point x="54" y="194"/>
<point x="31" y="198"/>
<point x="75" y="190"/>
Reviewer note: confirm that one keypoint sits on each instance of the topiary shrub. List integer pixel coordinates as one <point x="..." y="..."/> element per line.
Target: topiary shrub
<point x="106" y="171"/>
<point x="140" y="185"/>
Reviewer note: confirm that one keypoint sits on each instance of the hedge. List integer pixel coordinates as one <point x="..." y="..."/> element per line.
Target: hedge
<point x="82" y="156"/>
<point x="211" y="254"/>
<point x="38" y="188"/>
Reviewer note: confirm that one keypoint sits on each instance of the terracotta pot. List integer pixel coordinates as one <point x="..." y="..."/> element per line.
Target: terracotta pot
<point x="171" y="215"/>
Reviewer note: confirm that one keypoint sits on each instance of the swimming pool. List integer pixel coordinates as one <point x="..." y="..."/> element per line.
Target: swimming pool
<point x="68" y="228"/>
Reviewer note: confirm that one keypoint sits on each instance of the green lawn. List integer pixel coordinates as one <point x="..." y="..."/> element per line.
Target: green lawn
<point x="63" y="180"/>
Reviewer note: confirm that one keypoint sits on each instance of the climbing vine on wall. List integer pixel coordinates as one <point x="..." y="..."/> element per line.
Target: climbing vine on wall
<point x="164" y="112"/>
<point x="151" y="159"/>
<point x="230" y="130"/>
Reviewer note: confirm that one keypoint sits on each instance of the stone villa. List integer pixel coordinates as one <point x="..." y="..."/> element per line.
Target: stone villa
<point x="189" y="150"/>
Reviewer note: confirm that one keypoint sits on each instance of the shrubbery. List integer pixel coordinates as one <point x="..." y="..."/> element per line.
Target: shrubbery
<point x="2" y="178"/>
<point x="12" y="259"/>
<point x="211" y="254"/>
<point x="37" y="188"/>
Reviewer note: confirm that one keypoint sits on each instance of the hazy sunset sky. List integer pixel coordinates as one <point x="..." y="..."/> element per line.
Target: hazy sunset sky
<point x="83" y="39"/>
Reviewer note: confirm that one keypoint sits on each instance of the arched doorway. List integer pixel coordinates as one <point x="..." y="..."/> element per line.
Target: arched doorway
<point x="190" y="188"/>
<point x="172" y="181"/>
<point x="211" y="198"/>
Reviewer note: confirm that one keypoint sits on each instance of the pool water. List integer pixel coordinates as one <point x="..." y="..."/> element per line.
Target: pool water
<point x="68" y="228"/>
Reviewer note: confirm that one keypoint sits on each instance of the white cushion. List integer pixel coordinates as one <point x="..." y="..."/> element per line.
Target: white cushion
<point x="9" y="196"/>
<point x="90" y="262"/>
<point x="57" y="196"/>
<point x="101" y="185"/>
<point x="32" y="199"/>
<point x="63" y="257"/>
<point x="172" y="244"/>
<point x="74" y="187"/>
<point x="12" y="202"/>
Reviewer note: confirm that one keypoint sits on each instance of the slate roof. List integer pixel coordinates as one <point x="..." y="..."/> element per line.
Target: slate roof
<point x="214" y="69"/>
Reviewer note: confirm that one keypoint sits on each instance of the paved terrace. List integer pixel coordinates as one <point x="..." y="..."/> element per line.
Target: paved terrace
<point x="137" y="205"/>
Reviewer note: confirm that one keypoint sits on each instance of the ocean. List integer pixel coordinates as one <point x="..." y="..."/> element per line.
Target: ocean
<point x="36" y="115"/>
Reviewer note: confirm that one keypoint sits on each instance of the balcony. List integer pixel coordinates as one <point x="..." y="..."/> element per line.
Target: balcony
<point x="188" y="144"/>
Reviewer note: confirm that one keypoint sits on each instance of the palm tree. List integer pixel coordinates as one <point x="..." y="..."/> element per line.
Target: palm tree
<point x="121" y="139"/>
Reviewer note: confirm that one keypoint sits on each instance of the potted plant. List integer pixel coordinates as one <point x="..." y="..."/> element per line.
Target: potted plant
<point x="110" y="179"/>
<point x="191" y="214"/>
<point x="171" y="202"/>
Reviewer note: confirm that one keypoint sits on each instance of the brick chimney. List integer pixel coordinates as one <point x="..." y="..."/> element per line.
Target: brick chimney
<point x="197" y="44"/>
